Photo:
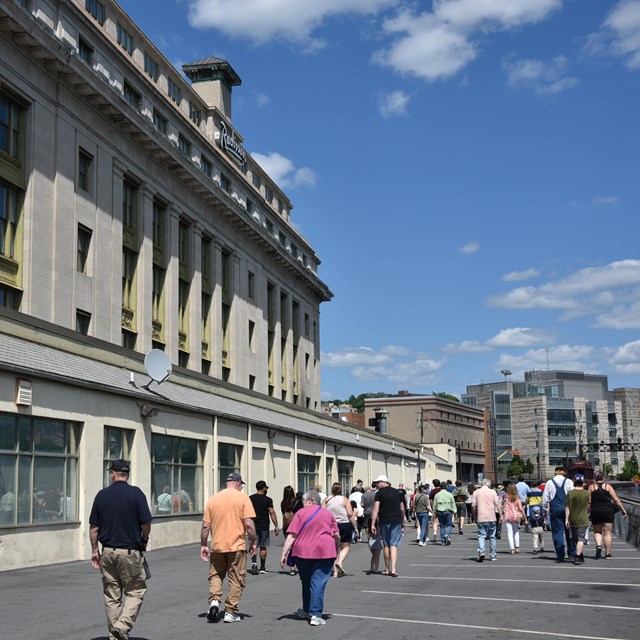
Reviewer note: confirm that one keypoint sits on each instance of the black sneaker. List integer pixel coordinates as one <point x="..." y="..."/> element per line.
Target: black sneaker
<point x="263" y="570"/>
<point x="581" y="558"/>
<point x="212" y="614"/>
<point x="117" y="634"/>
<point x="480" y="557"/>
<point x="576" y="559"/>
<point x="535" y="552"/>
<point x="254" y="569"/>
<point x="598" y="553"/>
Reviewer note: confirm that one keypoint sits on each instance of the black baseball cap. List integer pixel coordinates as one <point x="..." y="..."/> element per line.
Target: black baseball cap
<point x="261" y="484"/>
<point x="234" y="476"/>
<point x="120" y="465"/>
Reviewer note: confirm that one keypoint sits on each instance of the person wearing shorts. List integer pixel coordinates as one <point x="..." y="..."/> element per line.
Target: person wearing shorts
<point x="388" y="518"/>
<point x="577" y="515"/>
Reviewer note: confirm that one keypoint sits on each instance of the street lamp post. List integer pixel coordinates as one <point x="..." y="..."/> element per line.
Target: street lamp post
<point x="420" y="427"/>
<point x="538" y="450"/>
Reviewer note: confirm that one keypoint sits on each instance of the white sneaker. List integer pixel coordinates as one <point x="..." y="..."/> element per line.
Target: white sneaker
<point x="316" y="621"/>
<point x="421" y="544"/>
<point x="212" y="611"/>
<point x="302" y="614"/>
<point x="231" y="617"/>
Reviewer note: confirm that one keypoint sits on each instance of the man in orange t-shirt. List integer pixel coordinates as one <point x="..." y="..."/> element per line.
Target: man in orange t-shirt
<point x="228" y="517"/>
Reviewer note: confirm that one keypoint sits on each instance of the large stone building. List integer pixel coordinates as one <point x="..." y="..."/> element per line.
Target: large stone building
<point x="437" y="424"/>
<point x="132" y="218"/>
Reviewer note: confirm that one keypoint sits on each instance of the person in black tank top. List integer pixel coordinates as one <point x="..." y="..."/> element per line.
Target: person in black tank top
<point x="603" y="499"/>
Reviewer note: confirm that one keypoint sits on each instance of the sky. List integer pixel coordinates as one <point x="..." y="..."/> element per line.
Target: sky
<point x="466" y="170"/>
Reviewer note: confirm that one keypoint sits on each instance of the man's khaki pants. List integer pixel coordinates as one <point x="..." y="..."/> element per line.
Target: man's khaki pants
<point x="233" y="564"/>
<point x="122" y="575"/>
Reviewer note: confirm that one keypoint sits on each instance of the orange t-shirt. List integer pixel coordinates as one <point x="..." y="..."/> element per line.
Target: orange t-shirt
<point x="226" y="511"/>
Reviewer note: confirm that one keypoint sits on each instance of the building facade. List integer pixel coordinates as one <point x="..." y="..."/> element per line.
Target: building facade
<point x="133" y="219"/>
<point x="433" y="420"/>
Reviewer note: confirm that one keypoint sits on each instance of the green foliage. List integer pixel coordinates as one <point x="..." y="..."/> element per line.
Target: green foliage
<point x="516" y="467"/>
<point x="357" y="402"/>
<point x="444" y="394"/>
<point x="607" y="468"/>
<point x="528" y="467"/>
<point x="630" y="469"/>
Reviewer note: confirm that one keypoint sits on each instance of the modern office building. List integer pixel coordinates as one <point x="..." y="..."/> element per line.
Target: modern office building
<point x="437" y="424"/>
<point x="132" y="219"/>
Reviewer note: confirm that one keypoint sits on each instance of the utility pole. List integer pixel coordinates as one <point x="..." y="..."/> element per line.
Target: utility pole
<point x="420" y="426"/>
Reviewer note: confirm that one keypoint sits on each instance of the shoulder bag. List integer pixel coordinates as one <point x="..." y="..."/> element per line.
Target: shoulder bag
<point x="290" y="557"/>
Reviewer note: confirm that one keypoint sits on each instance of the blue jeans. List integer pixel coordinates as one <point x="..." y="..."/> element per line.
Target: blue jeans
<point x="423" y="519"/>
<point x="314" y="575"/>
<point x="391" y="534"/>
<point x="559" y="534"/>
<point x="445" y="521"/>
<point x="487" y="529"/>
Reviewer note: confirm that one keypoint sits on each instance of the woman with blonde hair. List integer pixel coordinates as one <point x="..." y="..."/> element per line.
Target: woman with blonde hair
<point x="341" y="509"/>
<point x="512" y="513"/>
<point x="604" y="501"/>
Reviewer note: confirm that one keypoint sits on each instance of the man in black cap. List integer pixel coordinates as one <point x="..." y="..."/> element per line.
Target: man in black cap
<point x="263" y="506"/>
<point x="228" y="516"/>
<point x="120" y="521"/>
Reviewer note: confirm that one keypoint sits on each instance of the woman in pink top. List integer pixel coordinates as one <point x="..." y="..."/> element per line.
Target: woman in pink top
<point x="512" y="513"/>
<point x="314" y="538"/>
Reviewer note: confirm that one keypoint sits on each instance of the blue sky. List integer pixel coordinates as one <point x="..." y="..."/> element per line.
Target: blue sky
<point x="467" y="171"/>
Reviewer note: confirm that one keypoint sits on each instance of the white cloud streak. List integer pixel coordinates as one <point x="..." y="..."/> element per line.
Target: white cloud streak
<point x="283" y="172"/>
<point x="625" y="360"/>
<point x="538" y="76"/>
<point x="518" y="276"/>
<point x="571" y="358"/>
<point x="393" y="104"/>
<point x="291" y="21"/>
<point x="469" y="248"/>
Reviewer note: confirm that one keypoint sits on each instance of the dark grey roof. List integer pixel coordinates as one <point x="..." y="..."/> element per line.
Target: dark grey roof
<point x="26" y="357"/>
<point x="209" y="68"/>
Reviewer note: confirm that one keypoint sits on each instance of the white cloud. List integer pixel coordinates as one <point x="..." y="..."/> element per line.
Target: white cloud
<point x="584" y="292"/>
<point x="517" y="276"/>
<point x="262" y="99"/>
<point x="292" y="21"/>
<point x="353" y="357"/>
<point x="571" y="358"/>
<point x="623" y="24"/>
<point x="626" y="359"/>
<point x="468" y="346"/>
<point x="438" y="43"/>
<point x="604" y="201"/>
<point x="621" y="316"/>
<point x="283" y="172"/>
<point x="393" y="104"/>
<point x="469" y="248"/>
<point x="538" y="76"/>
<point x="521" y="337"/>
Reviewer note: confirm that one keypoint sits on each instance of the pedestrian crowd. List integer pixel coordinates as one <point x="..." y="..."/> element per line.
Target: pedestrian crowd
<point x="319" y="531"/>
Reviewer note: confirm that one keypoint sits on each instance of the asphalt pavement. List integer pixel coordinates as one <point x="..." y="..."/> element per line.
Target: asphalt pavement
<point x="440" y="592"/>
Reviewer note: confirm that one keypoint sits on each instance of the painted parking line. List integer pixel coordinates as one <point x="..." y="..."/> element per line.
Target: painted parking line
<point x="483" y="579"/>
<point x="585" y="567"/>
<point x="468" y="597"/>
<point x="473" y="626"/>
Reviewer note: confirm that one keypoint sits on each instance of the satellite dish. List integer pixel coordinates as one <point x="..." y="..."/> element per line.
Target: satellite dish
<point x="158" y="365"/>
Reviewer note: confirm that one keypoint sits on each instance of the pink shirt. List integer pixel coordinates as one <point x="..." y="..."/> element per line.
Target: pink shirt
<point x="317" y="541"/>
<point x="486" y="501"/>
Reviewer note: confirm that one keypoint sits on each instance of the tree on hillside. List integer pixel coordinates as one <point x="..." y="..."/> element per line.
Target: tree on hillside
<point x="630" y="469"/>
<point x="444" y="394"/>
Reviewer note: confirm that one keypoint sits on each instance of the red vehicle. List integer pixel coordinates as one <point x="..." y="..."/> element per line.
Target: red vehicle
<point x="584" y="467"/>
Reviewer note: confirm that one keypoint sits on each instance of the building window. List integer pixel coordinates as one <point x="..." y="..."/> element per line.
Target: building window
<point x="174" y="91"/>
<point x="85" y="51"/>
<point x="280" y="210"/>
<point x="183" y="247"/>
<point x="11" y="121"/>
<point x="159" y="122"/>
<point x="184" y="146"/>
<point x="84" y="244"/>
<point x="83" y="321"/>
<point x="96" y="9"/>
<point x="125" y="39"/>
<point x="129" y="205"/>
<point x="9" y="297"/>
<point x="207" y="167"/>
<point x="205" y="263"/>
<point x="9" y="219"/>
<point x="151" y="67"/>
<point x="307" y="472"/>
<point x="252" y="331"/>
<point x="195" y="115"/>
<point x="176" y="470"/>
<point x="251" y="285"/>
<point x="38" y="470"/>
<point x="132" y="96"/>
<point x="117" y="446"/>
<point x="159" y="216"/>
<point x="183" y="315"/>
<point x="157" y="309"/>
<point x="257" y="182"/>
<point x="306" y="325"/>
<point x="85" y="162"/>
<point x="229" y="460"/>
<point x="268" y="194"/>
<point x="225" y="183"/>
<point x="345" y="476"/>
<point x="129" y="261"/>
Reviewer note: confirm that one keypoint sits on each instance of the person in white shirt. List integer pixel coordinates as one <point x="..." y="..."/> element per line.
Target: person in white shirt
<point x="554" y="500"/>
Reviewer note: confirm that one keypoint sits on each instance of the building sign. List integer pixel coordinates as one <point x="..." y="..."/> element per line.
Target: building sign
<point x="229" y="143"/>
